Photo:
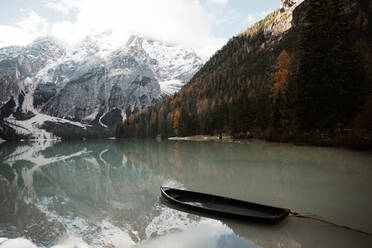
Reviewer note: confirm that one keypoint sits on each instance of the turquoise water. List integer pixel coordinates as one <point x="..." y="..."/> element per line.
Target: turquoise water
<point x="105" y="193"/>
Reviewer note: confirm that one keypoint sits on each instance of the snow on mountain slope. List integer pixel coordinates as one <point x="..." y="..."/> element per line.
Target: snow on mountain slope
<point x="121" y="79"/>
<point x="32" y="126"/>
<point x="99" y="81"/>
<point x="173" y="64"/>
<point x="169" y="87"/>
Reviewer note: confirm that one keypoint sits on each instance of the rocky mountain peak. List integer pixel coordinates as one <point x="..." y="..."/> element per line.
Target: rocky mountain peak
<point x="285" y="4"/>
<point x="135" y="42"/>
<point x="99" y="81"/>
<point x="283" y="20"/>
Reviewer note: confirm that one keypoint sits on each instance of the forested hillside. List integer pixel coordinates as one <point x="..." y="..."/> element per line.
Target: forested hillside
<point x="311" y="83"/>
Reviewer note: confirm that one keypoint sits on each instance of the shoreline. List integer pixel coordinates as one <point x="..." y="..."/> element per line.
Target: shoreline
<point x="203" y="138"/>
<point x="301" y="142"/>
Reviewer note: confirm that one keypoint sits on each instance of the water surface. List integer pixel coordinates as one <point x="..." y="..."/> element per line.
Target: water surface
<point x="105" y="193"/>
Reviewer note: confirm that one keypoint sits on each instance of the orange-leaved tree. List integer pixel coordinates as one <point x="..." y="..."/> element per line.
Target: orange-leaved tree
<point x="280" y="75"/>
<point x="176" y="122"/>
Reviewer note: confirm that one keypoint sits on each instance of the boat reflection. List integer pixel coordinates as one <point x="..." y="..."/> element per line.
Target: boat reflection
<point x="301" y="178"/>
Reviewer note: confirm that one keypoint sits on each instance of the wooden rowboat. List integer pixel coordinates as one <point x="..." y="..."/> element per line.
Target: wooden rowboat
<point x="223" y="206"/>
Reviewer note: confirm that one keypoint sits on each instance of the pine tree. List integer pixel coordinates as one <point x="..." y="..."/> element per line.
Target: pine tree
<point x="330" y="78"/>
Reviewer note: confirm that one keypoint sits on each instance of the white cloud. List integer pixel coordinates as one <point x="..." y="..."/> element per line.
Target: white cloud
<point x="33" y="23"/>
<point x="62" y="6"/>
<point x="186" y="22"/>
<point x="58" y="7"/>
<point x="223" y="2"/>
<point x="183" y="21"/>
<point x="24" y="31"/>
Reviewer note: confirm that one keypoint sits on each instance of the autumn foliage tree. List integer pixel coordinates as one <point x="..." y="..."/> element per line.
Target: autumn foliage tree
<point x="216" y="98"/>
<point x="176" y="122"/>
<point x="280" y="76"/>
<point x="312" y="80"/>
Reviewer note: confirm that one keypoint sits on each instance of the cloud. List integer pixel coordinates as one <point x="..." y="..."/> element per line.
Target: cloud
<point x="223" y="2"/>
<point x="184" y="21"/>
<point x="63" y="6"/>
<point x="58" y="7"/>
<point x="24" y="30"/>
<point x="33" y="23"/>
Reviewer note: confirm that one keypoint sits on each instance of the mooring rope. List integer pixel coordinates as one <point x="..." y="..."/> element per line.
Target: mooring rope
<point x="329" y="222"/>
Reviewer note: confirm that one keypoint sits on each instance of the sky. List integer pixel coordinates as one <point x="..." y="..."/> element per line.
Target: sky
<point x="204" y="25"/>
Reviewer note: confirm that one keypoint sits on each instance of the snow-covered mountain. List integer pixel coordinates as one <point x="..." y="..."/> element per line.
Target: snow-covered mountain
<point x="96" y="82"/>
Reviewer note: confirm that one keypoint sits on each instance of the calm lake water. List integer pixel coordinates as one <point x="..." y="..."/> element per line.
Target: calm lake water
<point x="105" y="193"/>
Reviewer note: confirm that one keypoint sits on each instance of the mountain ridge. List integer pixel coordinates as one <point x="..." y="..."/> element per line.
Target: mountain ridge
<point x="96" y="82"/>
<point x="304" y="83"/>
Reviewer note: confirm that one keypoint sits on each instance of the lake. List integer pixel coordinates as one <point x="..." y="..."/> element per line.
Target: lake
<point x="105" y="193"/>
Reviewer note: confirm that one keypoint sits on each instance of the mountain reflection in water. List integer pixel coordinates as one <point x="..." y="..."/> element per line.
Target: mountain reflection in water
<point x="105" y="193"/>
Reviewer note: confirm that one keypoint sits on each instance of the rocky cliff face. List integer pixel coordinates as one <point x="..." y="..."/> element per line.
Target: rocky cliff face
<point x="301" y="74"/>
<point x="283" y="21"/>
<point x="18" y="65"/>
<point x="95" y="82"/>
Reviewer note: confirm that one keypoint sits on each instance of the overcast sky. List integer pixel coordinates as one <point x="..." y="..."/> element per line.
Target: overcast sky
<point x="204" y="25"/>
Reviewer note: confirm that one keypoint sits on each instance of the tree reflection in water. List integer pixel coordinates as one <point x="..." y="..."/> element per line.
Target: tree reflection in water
<point x="106" y="192"/>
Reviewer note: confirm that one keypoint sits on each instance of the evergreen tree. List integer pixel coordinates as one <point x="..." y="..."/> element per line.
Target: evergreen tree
<point x="331" y="79"/>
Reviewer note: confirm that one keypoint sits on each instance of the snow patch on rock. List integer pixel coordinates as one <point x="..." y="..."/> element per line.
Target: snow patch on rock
<point x="32" y="126"/>
<point x="170" y="87"/>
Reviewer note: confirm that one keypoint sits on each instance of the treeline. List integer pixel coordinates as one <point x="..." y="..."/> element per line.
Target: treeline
<point x="312" y="84"/>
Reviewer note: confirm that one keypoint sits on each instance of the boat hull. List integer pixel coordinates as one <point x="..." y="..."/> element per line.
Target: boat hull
<point x="223" y="206"/>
